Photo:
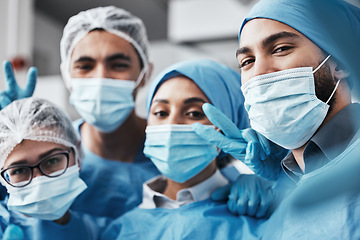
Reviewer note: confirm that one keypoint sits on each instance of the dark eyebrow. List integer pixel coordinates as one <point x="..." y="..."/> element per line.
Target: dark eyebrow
<point x="269" y="40"/>
<point x="118" y="56"/>
<point x="194" y="99"/>
<point x="24" y="162"/>
<point x="276" y="36"/>
<point x="161" y="101"/>
<point x="84" y="59"/>
<point x="242" y="50"/>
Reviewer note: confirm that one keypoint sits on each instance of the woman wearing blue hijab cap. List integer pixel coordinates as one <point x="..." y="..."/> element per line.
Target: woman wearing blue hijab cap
<point x="177" y="204"/>
<point x="218" y="82"/>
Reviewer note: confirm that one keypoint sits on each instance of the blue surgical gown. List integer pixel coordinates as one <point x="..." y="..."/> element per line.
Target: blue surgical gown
<point x="325" y="204"/>
<point x="80" y="226"/>
<point x="199" y="220"/>
<point x="114" y="187"/>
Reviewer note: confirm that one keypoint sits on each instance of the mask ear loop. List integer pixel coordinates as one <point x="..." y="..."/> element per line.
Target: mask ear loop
<point x="333" y="92"/>
<point x="321" y="64"/>
<point x="141" y="75"/>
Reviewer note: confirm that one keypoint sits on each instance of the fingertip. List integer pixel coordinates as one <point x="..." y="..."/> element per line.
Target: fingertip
<point x="7" y="67"/>
<point x="206" y="106"/>
<point x="33" y="70"/>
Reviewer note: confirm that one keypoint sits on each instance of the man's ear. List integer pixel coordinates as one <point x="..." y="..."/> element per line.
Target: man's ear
<point x="338" y="71"/>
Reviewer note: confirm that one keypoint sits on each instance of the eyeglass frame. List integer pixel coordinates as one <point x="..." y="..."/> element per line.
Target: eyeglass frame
<point x="66" y="153"/>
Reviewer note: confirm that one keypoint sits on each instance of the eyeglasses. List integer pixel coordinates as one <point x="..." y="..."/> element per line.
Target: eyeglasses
<point x="51" y="166"/>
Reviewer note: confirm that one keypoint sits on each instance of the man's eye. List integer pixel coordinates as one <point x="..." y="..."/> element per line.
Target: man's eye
<point x="84" y="67"/>
<point x="119" y="65"/>
<point x="246" y="62"/>
<point x="282" y="49"/>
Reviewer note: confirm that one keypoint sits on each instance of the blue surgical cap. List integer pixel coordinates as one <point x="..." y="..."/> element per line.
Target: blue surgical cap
<point x="218" y="82"/>
<point x="333" y="25"/>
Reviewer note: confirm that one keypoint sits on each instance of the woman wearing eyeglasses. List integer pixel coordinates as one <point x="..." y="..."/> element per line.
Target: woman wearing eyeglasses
<point x="39" y="166"/>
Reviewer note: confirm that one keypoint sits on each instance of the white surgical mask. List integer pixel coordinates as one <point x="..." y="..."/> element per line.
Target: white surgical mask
<point x="177" y="151"/>
<point x="283" y="105"/>
<point x="47" y="198"/>
<point x="103" y="103"/>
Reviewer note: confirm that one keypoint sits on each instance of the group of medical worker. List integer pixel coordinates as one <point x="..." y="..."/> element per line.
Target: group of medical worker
<point x="288" y="115"/>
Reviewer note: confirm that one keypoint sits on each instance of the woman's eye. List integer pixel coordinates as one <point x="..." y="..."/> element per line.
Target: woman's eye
<point x="160" y="114"/>
<point x="53" y="161"/>
<point x="17" y="171"/>
<point x="196" y="114"/>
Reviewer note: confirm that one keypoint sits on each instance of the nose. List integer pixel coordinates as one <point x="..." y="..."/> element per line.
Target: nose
<point x="262" y="66"/>
<point x="36" y="173"/>
<point x="175" y="119"/>
<point x="101" y="72"/>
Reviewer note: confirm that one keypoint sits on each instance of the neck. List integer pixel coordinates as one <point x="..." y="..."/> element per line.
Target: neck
<point x="342" y="100"/>
<point x="64" y="219"/>
<point x="172" y="188"/>
<point x="119" y="145"/>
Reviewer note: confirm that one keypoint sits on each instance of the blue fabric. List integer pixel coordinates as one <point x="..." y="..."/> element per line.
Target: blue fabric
<point x="325" y="205"/>
<point x="80" y="226"/>
<point x="3" y="192"/>
<point x="199" y="220"/>
<point x="333" y="25"/>
<point x="114" y="187"/>
<point x="219" y="83"/>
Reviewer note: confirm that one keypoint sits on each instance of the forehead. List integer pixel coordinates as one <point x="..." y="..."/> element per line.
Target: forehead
<point x="29" y="149"/>
<point x="101" y="44"/>
<point x="258" y="29"/>
<point x="179" y="87"/>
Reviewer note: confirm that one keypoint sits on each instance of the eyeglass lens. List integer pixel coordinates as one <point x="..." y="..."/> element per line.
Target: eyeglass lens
<point x="52" y="166"/>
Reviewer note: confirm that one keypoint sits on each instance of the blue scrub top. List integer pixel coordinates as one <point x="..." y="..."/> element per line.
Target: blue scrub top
<point x="80" y="226"/>
<point x="199" y="220"/>
<point x="114" y="187"/>
<point x="325" y="204"/>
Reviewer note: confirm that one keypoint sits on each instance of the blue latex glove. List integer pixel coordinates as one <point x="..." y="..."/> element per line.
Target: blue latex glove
<point x="257" y="152"/>
<point x="14" y="92"/>
<point x="13" y="232"/>
<point x="249" y="195"/>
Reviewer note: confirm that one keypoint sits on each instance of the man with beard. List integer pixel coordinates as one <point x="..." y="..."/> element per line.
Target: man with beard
<point x="299" y="63"/>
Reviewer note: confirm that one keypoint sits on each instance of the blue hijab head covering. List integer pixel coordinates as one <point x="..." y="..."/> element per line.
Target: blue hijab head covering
<point x="333" y="25"/>
<point x="218" y="82"/>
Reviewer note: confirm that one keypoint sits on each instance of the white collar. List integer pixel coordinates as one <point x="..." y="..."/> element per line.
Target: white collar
<point x="153" y="188"/>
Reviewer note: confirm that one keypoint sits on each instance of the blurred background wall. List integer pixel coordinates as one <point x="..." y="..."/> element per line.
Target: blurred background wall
<point x="177" y="29"/>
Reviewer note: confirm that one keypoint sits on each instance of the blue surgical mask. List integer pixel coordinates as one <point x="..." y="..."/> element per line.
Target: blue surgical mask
<point x="103" y="103"/>
<point x="47" y="198"/>
<point x="283" y="105"/>
<point x="177" y="151"/>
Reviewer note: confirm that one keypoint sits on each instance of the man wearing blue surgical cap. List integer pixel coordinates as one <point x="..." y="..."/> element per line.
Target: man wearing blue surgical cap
<point x="299" y="61"/>
<point x="176" y="204"/>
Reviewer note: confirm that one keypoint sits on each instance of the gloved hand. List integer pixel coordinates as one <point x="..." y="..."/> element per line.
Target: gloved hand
<point x="249" y="195"/>
<point x="14" y="92"/>
<point x="13" y="232"/>
<point x="257" y="152"/>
